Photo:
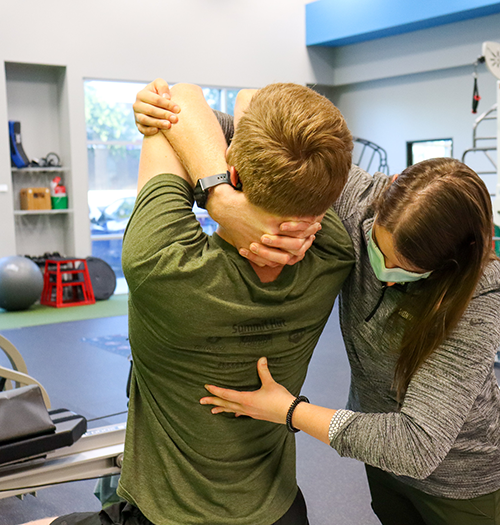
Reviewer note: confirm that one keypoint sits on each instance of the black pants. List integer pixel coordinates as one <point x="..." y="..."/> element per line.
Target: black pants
<point x="126" y="514"/>
<point x="396" y="503"/>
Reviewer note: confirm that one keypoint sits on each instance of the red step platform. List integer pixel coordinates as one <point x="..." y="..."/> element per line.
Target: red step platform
<point x="66" y="282"/>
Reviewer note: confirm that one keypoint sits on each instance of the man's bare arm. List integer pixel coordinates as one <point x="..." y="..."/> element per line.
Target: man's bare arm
<point x="157" y="157"/>
<point x="225" y="205"/>
<point x="194" y="148"/>
<point x="197" y="137"/>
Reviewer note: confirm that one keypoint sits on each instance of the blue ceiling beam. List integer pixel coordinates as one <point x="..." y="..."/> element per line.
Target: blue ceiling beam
<point x="341" y="22"/>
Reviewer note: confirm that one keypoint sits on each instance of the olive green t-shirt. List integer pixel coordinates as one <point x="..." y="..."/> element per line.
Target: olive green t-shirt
<point x="198" y="314"/>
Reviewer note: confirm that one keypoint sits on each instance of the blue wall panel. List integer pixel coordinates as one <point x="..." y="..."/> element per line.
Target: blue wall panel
<point x="341" y="22"/>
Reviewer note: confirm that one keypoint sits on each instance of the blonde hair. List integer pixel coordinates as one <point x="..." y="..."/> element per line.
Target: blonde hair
<point x="292" y="150"/>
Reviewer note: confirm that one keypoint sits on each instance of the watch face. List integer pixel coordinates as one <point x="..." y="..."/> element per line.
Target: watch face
<point x="200" y="195"/>
<point x="203" y="185"/>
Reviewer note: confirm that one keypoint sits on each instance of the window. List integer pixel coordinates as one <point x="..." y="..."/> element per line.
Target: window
<point x="221" y="99"/>
<point x="113" y="150"/>
<point x="419" y="150"/>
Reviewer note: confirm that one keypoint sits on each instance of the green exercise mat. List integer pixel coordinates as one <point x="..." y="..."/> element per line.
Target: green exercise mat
<point x="39" y="314"/>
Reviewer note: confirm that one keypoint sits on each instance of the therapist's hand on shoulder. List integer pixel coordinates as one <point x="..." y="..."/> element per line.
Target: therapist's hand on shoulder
<point x="260" y="237"/>
<point x="153" y="109"/>
<point x="288" y="246"/>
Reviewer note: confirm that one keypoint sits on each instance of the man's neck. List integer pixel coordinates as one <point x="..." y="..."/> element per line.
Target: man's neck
<point x="266" y="274"/>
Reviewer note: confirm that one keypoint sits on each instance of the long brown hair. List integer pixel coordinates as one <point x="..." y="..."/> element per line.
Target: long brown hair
<point x="439" y="213"/>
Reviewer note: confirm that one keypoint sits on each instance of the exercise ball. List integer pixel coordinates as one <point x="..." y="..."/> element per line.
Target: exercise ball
<point x="21" y="283"/>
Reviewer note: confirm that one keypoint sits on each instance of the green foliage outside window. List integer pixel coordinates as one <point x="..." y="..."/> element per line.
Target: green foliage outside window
<point x="108" y="121"/>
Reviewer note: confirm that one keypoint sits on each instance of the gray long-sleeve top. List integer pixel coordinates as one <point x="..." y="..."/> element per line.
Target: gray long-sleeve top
<point x="444" y="438"/>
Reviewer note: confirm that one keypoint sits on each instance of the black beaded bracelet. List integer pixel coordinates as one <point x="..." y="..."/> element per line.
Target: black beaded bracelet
<point x="289" y="414"/>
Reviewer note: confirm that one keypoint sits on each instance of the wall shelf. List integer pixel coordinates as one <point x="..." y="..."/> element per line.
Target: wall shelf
<point x="48" y="169"/>
<point x="45" y="127"/>
<point x="42" y="212"/>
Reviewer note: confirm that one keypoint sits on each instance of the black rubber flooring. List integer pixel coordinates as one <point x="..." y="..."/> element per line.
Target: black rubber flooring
<point x="90" y="380"/>
<point x="78" y="376"/>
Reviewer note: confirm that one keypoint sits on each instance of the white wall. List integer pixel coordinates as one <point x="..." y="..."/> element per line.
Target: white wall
<point x="405" y="87"/>
<point x="416" y="107"/>
<point x="414" y="86"/>
<point x="222" y="42"/>
<point x="225" y="43"/>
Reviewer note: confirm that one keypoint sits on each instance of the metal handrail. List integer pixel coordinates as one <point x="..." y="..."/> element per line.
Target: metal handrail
<point x="376" y="150"/>
<point x="487" y="115"/>
<point x="485" y="151"/>
<point x="484" y="116"/>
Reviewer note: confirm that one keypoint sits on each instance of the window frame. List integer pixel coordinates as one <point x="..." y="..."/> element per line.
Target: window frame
<point x="410" y="143"/>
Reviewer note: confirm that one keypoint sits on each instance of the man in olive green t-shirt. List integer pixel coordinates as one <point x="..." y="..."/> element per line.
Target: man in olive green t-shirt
<point x="201" y="314"/>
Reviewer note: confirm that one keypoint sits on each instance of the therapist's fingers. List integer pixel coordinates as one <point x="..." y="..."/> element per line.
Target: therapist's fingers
<point x="264" y="256"/>
<point x="299" y="228"/>
<point x="275" y="256"/>
<point x="161" y="87"/>
<point x="264" y="374"/>
<point x="293" y="245"/>
<point x="153" y="108"/>
<point x="156" y="106"/>
<point x="147" y="115"/>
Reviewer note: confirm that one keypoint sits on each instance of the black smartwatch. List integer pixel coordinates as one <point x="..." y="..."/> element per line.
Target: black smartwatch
<point x="203" y="185"/>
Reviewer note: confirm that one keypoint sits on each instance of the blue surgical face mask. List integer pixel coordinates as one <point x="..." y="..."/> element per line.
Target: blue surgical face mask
<point x="389" y="275"/>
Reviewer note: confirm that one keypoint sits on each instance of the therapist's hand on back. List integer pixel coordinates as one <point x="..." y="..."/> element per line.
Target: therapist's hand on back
<point x="270" y="403"/>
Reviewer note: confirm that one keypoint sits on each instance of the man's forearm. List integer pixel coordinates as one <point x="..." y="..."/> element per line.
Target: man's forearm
<point x="197" y="138"/>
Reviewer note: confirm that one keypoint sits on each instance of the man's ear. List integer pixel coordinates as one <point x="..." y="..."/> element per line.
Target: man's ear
<point x="235" y="178"/>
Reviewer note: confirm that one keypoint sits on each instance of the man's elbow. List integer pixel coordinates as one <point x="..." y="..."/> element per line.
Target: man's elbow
<point x="182" y="93"/>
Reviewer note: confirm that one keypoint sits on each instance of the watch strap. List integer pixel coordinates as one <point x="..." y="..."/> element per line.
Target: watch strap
<point x="203" y="185"/>
<point x="214" y="180"/>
